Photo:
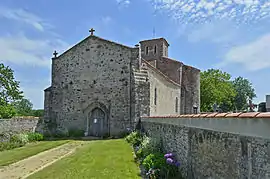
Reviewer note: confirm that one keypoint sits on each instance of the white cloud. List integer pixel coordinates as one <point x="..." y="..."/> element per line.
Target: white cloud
<point x="253" y="56"/>
<point x="123" y="2"/>
<point x="21" y="50"/>
<point x="193" y="11"/>
<point x="23" y="16"/>
<point x="25" y="51"/>
<point x="213" y="32"/>
<point x="106" y="20"/>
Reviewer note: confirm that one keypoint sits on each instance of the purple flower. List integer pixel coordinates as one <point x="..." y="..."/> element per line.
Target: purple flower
<point x="169" y="155"/>
<point x="177" y="164"/>
<point x="169" y="161"/>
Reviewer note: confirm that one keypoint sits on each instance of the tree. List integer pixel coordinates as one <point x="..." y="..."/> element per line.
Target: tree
<point x="216" y="88"/>
<point x="244" y="93"/>
<point x="7" y="111"/>
<point x="38" y="113"/>
<point x="9" y="88"/>
<point x="23" y="107"/>
<point x="9" y="92"/>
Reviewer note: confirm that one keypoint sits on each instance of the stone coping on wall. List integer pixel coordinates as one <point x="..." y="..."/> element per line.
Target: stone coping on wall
<point x="253" y="124"/>
<point x="218" y="115"/>
<point x="23" y="118"/>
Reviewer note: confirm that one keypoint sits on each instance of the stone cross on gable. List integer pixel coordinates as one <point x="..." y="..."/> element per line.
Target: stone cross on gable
<point x="55" y="54"/>
<point x="92" y="31"/>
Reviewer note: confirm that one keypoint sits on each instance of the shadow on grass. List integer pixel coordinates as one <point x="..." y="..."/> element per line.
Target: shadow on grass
<point x="88" y="138"/>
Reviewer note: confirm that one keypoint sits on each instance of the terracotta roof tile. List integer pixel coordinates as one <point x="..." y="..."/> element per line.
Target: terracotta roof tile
<point x="219" y="115"/>
<point x="212" y="114"/>
<point x="189" y="115"/>
<point x="233" y="114"/>
<point x="203" y="115"/>
<point x="263" y="115"/>
<point x="248" y="115"/>
<point x="196" y="115"/>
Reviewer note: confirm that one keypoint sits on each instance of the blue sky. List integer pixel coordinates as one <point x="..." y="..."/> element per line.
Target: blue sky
<point x="231" y="35"/>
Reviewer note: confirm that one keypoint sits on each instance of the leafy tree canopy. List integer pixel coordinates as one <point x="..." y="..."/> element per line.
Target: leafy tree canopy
<point x="9" y="87"/>
<point x="216" y="88"/>
<point x="244" y="93"/>
<point x="23" y="107"/>
<point x="38" y="112"/>
<point x="9" y="92"/>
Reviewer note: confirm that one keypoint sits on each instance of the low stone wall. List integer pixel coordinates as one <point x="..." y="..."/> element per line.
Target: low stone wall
<point x="216" y="146"/>
<point x="19" y="124"/>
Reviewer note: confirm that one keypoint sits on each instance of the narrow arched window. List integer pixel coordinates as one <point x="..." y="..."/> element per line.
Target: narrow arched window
<point x="176" y="104"/>
<point x="147" y="50"/>
<point x="155" y="49"/>
<point x="155" y="97"/>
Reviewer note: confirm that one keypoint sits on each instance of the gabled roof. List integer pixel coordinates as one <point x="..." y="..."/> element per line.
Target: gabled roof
<point x="48" y="89"/>
<point x="159" y="72"/>
<point x="94" y="37"/>
<point x="170" y="67"/>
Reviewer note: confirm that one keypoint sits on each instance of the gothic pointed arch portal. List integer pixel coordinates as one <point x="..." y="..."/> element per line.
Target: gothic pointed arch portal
<point x="96" y="120"/>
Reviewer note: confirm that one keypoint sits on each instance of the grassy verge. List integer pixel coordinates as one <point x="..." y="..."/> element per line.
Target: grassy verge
<point x="98" y="159"/>
<point x="11" y="156"/>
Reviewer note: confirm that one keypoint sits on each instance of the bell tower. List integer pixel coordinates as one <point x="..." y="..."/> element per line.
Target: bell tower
<point x="154" y="49"/>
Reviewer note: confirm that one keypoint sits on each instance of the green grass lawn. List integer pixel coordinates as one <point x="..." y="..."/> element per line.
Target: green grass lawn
<point x="10" y="156"/>
<point x="103" y="159"/>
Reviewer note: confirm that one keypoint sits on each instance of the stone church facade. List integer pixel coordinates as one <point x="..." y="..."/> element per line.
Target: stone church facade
<point x="102" y="87"/>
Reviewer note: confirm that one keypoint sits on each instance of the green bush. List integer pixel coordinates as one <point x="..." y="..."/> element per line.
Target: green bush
<point x="134" y="138"/>
<point x="154" y="160"/>
<point x="19" y="138"/>
<point x="144" y="148"/>
<point x="75" y="133"/>
<point x="38" y="112"/>
<point x="7" y="111"/>
<point x="9" y="145"/>
<point x="34" y="136"/>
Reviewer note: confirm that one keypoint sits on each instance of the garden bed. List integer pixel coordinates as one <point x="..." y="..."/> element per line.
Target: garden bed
<point x="154" y="164"/>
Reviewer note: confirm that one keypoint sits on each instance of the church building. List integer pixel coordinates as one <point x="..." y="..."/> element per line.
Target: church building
<point x="103" y="87"/>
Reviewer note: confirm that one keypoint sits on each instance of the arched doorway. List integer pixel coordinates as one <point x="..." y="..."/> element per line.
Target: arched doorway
<point x="96" y="121"/>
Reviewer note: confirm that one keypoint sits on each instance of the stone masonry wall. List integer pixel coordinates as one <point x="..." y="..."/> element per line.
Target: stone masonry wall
<point x="216" y="146"/>
<point x="161" y="46"/>
<point x="268" y="103"/>
<point x="190" y="94"/>
<point x="95" y="72"/>
<point x="19" y="124"/>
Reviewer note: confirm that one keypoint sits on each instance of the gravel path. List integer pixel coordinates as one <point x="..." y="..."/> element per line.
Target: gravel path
<point x="31" y="165"/>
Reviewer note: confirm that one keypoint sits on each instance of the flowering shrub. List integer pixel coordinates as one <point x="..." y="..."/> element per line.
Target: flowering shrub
<point x="34" y="136"/>
<point x="9" y="145"/>
<point x="173" y="165"/>
<point x="159" y="165"/>
<point x="154" y="161"/>
<point x="11" y="141"/>
<point x="146" y="147"/>
<point x="20" y="138"/>
<point x="149" y="154"/>
<point x="134" y="138"/>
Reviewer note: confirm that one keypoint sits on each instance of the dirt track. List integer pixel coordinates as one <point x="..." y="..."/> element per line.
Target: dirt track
<point x="33" y="164"/>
